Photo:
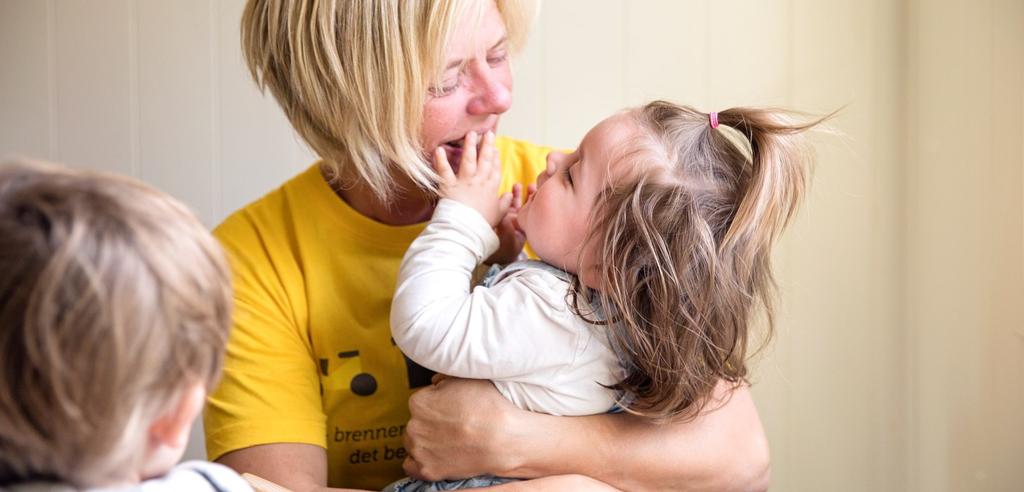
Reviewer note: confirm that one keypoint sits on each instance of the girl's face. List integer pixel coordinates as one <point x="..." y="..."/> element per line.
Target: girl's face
<point x="555" y="218"/>
<point x="475" y="89"/>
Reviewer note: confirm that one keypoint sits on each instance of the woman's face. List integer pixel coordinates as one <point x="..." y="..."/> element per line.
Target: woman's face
<point x="475" y="89"/>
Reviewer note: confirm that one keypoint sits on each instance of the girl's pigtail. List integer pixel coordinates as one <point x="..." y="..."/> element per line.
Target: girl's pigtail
<point x="771" y="162"/>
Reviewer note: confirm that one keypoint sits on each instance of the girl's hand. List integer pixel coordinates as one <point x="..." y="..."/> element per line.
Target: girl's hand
<point x="510" y="237"/>
<point x="456" y="430"/>
<point x="477" y="182"/>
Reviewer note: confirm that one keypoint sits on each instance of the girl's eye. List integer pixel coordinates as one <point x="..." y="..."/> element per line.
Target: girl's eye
<point x="568" y="175"/>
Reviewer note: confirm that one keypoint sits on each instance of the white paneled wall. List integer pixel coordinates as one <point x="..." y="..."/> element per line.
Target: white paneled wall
<point x="900" y="345"/>
<point x="94" y="69"/>
<point x="150" y="88"/>
<point x="26" y="88"/>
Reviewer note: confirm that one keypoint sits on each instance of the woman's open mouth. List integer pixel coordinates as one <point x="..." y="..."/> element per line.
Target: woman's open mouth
<point x="453" y="150"/>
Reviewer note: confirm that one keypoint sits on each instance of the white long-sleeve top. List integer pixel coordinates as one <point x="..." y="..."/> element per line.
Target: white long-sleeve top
<point x="520" y="333"/>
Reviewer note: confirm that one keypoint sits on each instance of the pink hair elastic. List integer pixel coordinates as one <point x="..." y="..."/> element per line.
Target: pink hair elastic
<point x="714" y="119"/>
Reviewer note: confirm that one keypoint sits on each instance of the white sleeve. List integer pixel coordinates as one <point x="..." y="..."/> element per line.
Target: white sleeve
<point x="517" y="327"/>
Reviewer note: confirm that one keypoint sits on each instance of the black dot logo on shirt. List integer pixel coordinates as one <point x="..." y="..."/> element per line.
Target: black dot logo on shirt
<point x="348" y="372"/>
<point x="364" y="384"/>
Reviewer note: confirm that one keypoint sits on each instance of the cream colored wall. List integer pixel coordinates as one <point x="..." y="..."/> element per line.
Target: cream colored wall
<point x="898" y="357"/>
<point x="964" y="244"/>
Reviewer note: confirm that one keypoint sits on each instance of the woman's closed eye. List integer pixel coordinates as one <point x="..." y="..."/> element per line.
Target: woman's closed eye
<point x="444" y="89"/>
<point x="496" y="59"/>
<point x="498" y="53"/>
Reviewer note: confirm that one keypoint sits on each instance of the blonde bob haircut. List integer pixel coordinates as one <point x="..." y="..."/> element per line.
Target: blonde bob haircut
<point x="352" y="76"/>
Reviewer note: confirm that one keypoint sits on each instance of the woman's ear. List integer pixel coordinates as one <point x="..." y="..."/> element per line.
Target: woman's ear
<point x="171" y="429"/>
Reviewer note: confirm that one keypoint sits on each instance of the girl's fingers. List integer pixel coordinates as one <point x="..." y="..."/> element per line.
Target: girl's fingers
<point x="504" y="203"/>
<point x="441" y="165"/>
<point x="485" y="165"/>
<point x="517" y="197"/>
<point x="530" y="190"/>
<point x="467" y="167"/>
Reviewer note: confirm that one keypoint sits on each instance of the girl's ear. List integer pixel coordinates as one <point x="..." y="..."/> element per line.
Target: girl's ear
<point x="171" y="429"/>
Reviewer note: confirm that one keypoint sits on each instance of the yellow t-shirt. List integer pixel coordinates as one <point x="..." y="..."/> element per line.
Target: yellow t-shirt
<point x="310" y="358"/>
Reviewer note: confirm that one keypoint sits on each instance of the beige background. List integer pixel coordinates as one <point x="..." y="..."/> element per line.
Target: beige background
<point x="899" y="359"/>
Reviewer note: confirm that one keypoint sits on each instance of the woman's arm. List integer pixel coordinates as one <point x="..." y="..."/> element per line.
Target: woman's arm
<point x="557" y="483"/>
<point x="303" y="468"/>
<point x="298" y="467"/>
<point x="465" y="428"/>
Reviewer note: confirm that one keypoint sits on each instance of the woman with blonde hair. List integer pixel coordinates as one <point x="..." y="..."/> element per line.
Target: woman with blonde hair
<point x="315" y="391"/>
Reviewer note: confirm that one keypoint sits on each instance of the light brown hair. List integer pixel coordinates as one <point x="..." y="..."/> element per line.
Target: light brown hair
<point x="113" y="298"/>
<point x="352" y="76"/>
<point x="684" y="247"/>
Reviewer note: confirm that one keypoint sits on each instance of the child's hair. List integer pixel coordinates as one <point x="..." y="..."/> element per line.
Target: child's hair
<point x="685" y="245"/>
<point x="352" y="76"/>
<point x="113" y="300"/>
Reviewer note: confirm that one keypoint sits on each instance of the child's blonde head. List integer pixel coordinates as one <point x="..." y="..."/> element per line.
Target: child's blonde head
<point x="352" y="76"/>
<point x="113" y="298"/>
<point x="685" y="245"/>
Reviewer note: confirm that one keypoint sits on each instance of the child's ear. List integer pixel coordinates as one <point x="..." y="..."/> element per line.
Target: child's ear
<point x="172" y="428"/>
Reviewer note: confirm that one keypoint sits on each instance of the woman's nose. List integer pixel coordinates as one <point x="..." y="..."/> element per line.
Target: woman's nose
<point x="494" y="95"/>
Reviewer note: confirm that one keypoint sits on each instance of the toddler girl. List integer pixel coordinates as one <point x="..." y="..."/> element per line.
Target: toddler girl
<point x="655" y="242"/>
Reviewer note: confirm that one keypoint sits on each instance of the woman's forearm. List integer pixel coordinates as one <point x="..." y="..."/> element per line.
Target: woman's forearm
<point x="557" y="483"/>
<point x="723" y="449"/>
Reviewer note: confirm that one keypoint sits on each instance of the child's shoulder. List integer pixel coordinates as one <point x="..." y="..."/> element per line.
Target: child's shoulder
<point x="196" y="476"/>
<point x="530" y="269"/>
<point x="547" y="284"/>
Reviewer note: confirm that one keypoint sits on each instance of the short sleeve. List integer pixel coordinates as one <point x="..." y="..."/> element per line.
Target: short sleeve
<point x="270" y="388"/>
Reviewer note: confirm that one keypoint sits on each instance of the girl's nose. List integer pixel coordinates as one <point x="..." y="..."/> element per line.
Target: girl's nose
<point x="552" y="167"/>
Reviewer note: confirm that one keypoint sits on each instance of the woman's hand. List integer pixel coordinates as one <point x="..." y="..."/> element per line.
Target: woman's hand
<point x="457" y="430"/>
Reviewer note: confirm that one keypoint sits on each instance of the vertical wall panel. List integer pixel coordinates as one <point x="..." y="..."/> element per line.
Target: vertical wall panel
<point x="829" y="386"/>
<point x="583" y="66"/>
<point x="827" y="268"/>
<point x="258" y="145"/>
<point x="965" y="272"/>
<point x="24" y="78"/>
<point x="945" y="35"/>
<point x="887" y="343"/>
<point x="748" y="52"/>
<point x="525" y="119"/>
<point x="176" y="100"/>
<point x="93" y="84"/>
<point x="667" y="52"/>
